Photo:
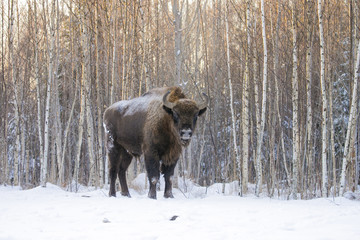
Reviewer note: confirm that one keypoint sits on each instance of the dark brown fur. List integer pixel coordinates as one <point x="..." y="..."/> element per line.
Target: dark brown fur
<point x="145" y="125"/>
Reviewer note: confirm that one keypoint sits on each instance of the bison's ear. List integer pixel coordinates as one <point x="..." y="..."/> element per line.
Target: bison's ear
<point x="204" y="104"/>
<point x="202" y="111"/>
<point x="173" y="114"/>
<point x="168" y="110"/>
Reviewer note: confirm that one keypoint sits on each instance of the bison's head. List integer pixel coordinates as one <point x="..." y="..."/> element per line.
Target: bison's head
<point x="185" y="113"/>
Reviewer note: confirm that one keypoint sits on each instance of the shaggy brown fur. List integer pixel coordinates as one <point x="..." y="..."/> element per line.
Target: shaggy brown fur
<point x="146" y="125"/>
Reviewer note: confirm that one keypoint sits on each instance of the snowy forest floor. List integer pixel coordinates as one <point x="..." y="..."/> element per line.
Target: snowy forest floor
<point x="53" y="213"/>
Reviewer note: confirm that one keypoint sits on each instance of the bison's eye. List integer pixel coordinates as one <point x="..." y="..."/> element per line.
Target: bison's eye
<point x="195" y="119"/>
<point x="175" y="117"/>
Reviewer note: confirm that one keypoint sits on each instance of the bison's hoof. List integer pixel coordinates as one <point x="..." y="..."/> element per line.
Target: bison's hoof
<point x="152" y="195"/>
<point x="112" y="194"/>
<point x="168" y="195"/>
<point x="126" y="194"/>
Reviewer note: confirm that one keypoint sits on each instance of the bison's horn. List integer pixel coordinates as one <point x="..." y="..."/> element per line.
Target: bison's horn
<point x="204" y="103"/>
<point x="166" y="101"/>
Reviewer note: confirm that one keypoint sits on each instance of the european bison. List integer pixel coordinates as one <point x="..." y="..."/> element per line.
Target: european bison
<point x="157" y="124"/>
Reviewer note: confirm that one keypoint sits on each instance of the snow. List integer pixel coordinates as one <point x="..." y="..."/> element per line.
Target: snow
<point x="199" y="213"/>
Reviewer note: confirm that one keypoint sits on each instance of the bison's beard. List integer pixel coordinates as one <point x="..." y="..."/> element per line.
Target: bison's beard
<point x="185" y="141"/>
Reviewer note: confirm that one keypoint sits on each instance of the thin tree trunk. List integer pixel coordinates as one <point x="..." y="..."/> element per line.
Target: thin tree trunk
<point x="81" y="127"/>
<point x="57" y="107"/>
<point x="245" y="107"/>
<point x="351" y="124"/>
<point x="278" y="94"/>
<point x="82" y="107"/>
<point x="295" y="102"/>
<point x="309" y="122"/>
<point x="86" y="75"/>
<point x="324" y="185"/>
<point x="44" y="164"/>
<point x="98" y="100"/>
<point x="68" y="125"/>
<point x="263" y="108"/>
<point x="3" y="107"/>
<point x="233" y="118"/>
<point x="178" y="34"/>
<point x="38" y="89"/>
<point x="332" y="139"/>
<point x="16" y="96"/>
<point x="112" y="83"/>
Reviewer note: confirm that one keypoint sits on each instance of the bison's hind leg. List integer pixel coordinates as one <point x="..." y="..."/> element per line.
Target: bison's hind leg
<point x="119" y="161"/>
<point x="113" y="154"/>
<point x="125" y="160"/>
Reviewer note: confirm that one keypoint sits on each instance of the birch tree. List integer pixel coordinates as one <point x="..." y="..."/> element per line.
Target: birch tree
<point x="178" y="35"/>
<point x="245" y="102"/>
<point x="324" y="185"/>
<point x="38" y="87"/>
<point x="233" y="118"/>
<point x="263" y="107"/>
<point x="351" y="123"/>
<point x="112" y="82"/>
<point x="82" y="101"/>
<point x="86" y="76"/>
<point x="98" y="97"/>
<point x="295" y="102"/>
<point x="56" y="101"/>
<point x="15" y="83"/>
<point x="309" y="112"/>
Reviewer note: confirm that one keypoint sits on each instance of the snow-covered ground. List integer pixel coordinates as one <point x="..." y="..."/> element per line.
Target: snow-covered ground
<point x="53" y="213"/>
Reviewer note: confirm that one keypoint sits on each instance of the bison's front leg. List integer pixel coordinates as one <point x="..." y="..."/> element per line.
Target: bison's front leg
<point x="152" y="168"/>
<point x="168" y="172"/>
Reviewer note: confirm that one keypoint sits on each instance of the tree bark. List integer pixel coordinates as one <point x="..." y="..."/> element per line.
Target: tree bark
<point x="38" y="87"/>
<point x="309" y="112"/>
<point x="351" y="124"/>
<point x="233" y="118"/>
<point x="295" y="102"/>
<point x="324" y="186"/>
<point x="16" y="96"/>
<point x="98" y="99"/>
<point x="178" y="35"/>
<point x="245" y="107"/>
<point x="258" y="183"/>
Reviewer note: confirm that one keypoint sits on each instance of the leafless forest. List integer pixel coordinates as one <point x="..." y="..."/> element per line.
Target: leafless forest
<point x="282" y="77"/>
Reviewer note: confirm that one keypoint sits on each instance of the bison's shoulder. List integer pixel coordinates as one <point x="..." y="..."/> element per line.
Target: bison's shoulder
<point x="175" y="93"/>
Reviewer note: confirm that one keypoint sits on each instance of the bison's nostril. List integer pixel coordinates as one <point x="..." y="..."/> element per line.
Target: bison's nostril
<point x="186" y="133"/>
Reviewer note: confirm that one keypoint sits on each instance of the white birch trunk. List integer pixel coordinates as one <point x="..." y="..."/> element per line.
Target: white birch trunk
<point x="86" y="75"/>
<point x="351" y="124"/>
<point x="62" y="169"/>
<point x="245" y="107"/>
<point x="58" y="126"/>
<point x="43" y="175"/>
<point x="98" y="101"/>
<point x="233" y="118"/>
<point x="278" y="94"/>
<point x="324" y="185"/>
<point x="309" y="123"/>
<point x="112" y="83"/>
<point x="81" y="129"/>
<point x="82" y="109"/>
<point x="332" y="139"/>
<point x="263" y="108"/>
<point x="38" y="90"/>
<point x="178" y="34"/>
<point x="295" y="102"/>
<point x="16" y="97"/>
